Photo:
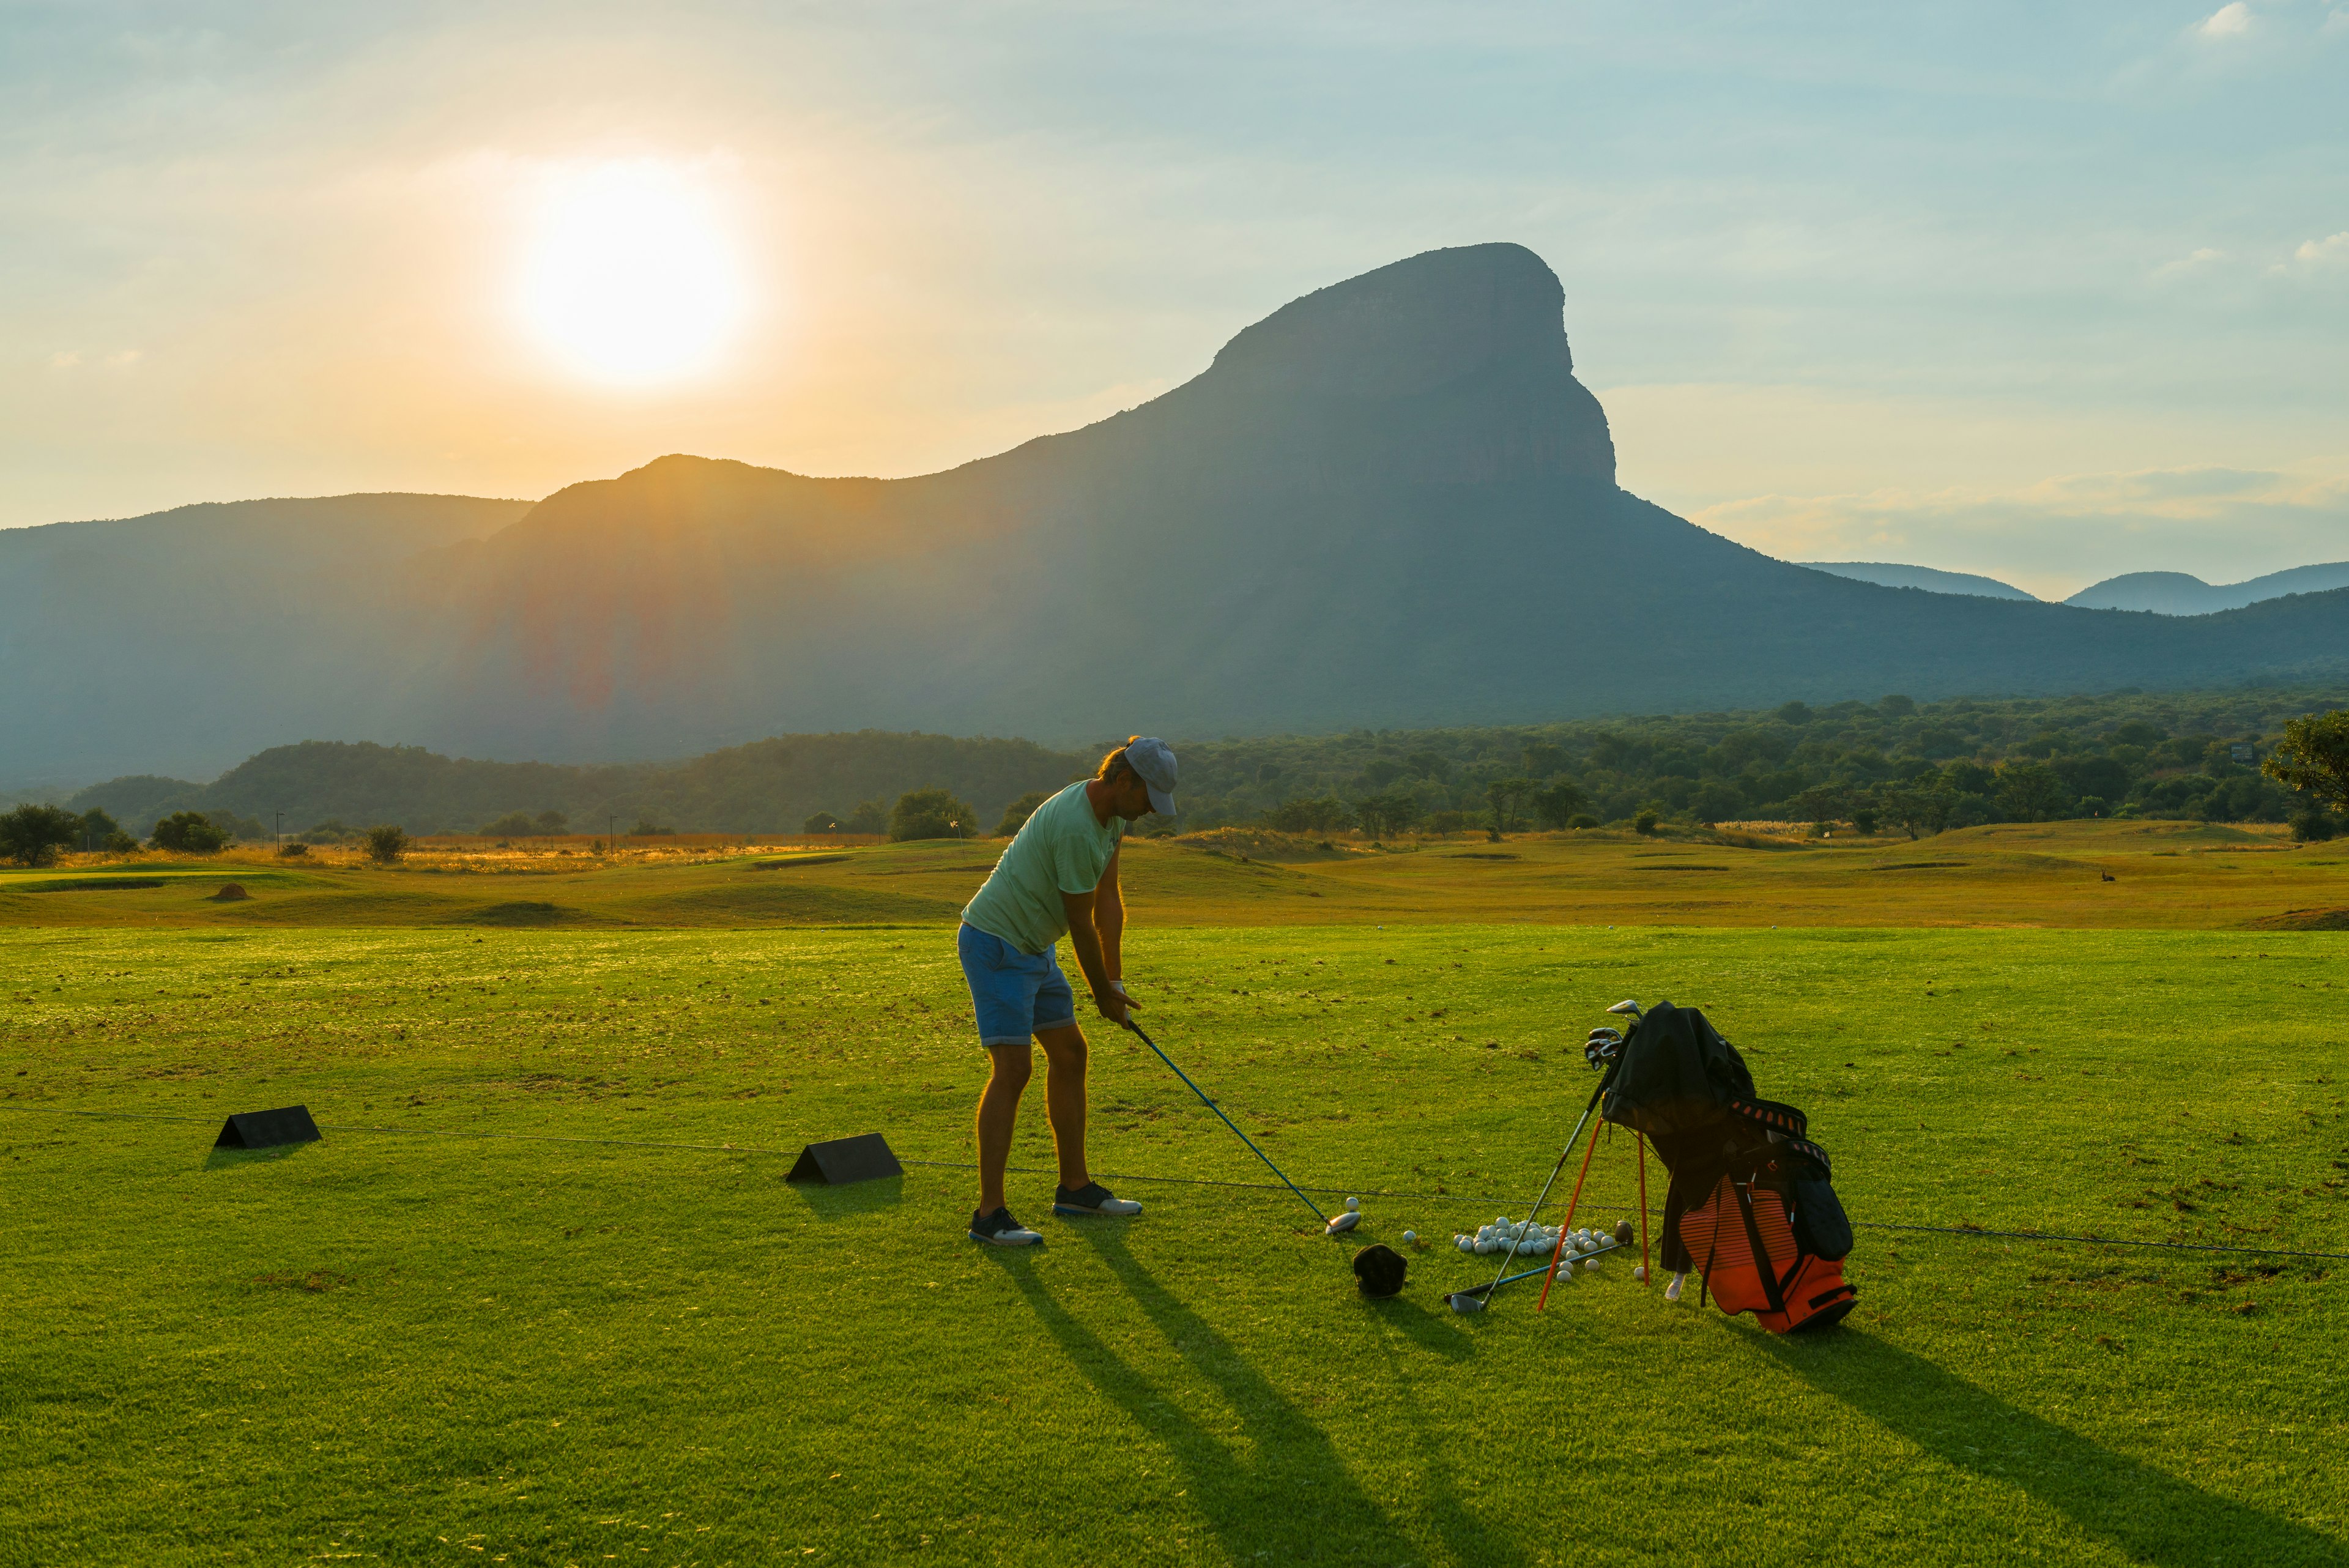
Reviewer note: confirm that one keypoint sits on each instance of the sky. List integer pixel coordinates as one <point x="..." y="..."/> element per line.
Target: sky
<point x="2049" y="293"/>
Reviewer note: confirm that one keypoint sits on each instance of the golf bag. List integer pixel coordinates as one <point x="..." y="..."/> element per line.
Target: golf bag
<point x="1751" y="1204"/>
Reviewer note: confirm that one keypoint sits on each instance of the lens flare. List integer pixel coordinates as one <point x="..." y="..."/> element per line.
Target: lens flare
<point x="630" y="277"/>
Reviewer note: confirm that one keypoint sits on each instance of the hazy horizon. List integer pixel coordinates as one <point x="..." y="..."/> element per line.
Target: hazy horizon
<point x="2045" y="298"/>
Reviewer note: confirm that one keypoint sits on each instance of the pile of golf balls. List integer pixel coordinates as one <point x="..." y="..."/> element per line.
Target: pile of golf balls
<point x="1526" y="1240"/>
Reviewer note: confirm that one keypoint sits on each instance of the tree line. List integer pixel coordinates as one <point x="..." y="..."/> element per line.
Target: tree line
<point x="1891" y="763"/>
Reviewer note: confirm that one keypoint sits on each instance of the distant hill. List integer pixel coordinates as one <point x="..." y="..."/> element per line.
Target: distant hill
<point x="1889" y="575"/>
<point x="2175" y="593"/>
<point x="768" y="786"/>
<point x="1387" y="503"/>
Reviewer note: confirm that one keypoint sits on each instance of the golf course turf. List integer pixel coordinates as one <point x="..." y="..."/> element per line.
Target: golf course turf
<point x="542" y="1296"/>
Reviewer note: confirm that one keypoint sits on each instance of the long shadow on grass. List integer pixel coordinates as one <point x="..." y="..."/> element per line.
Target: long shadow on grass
<point x="2153" y="1517"/>
<point x="1249" y="1500"/>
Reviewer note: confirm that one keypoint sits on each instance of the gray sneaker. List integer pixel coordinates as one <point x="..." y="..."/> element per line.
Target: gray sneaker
<point x="1000" y="1230"/>
<point x="1092" y="1198"/>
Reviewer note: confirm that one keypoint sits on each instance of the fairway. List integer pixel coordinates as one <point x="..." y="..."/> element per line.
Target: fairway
<point x="2111" y="874"/>
<point x="524" y="1302"/>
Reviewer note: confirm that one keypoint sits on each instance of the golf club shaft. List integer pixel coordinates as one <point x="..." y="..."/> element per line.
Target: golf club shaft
<point x="1563" y="1156"/>
<point x="1486" y="1290"/>
<point x="1227" y="1121"/>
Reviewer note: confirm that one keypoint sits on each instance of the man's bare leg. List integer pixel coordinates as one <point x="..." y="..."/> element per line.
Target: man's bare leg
<point x="998" y="1111"/>
<point x="1064" y="1101"/>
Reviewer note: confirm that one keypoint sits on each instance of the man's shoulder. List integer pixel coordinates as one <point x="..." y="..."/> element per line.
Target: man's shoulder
<point x="1066" y="811"/>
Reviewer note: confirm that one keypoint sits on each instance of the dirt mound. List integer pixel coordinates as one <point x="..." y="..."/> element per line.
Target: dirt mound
<point x="1263" y="844"/>
<point x="229" y="894"/>
<point x="2304" y="920"/>
<point x="517" y="914"/>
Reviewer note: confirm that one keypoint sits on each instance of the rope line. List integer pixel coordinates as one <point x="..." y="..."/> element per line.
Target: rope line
<point x="2041" y="1236"/>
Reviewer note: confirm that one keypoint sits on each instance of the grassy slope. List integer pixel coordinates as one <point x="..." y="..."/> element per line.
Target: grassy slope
<point x="2166" y="875"/>
<point x="429" y="1347"/>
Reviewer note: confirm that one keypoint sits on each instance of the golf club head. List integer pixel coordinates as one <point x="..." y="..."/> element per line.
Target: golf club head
<point x="1624" y="1234"/>
<point x="1344" y="1222"/>
<point x="1464" y="1302"/>
<point x="1627" y="1007"/>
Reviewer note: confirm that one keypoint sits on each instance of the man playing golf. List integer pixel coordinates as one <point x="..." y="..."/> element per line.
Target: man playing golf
<point x="1058" y="874"/>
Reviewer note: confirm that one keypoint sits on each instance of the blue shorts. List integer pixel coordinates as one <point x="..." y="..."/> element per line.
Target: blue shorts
<point x="1014" y="993"/>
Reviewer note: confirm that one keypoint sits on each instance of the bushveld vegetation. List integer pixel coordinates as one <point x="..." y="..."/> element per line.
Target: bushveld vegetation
<point x="1893" y="763"/>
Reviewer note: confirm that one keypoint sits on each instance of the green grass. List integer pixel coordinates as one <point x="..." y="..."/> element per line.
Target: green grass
<point x="406" y="1344"/>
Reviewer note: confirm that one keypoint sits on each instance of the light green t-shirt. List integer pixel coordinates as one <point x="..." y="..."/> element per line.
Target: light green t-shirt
<point x="1062" y="849"/>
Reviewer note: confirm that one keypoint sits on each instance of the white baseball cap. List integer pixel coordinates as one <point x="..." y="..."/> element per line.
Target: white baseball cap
<point x="1154" y="760"/>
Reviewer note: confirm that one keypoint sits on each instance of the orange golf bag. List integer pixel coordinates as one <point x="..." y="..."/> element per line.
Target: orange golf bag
<point x="1751" y="1205"/>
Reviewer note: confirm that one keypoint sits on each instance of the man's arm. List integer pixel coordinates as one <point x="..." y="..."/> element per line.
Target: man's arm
<point x="1109" y="919"/>
<point x="1096" y="927"/>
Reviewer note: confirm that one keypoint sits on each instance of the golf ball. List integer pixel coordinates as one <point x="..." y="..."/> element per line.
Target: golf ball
<point x="1465" y="1243"/>
<point x="1409" y="1236"/>
<point x="1353" y="1204"/>
<point x="1641" y="1273"/>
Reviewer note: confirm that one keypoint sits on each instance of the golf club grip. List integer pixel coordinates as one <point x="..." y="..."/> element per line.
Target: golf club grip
<point x="1227" y="1121"/>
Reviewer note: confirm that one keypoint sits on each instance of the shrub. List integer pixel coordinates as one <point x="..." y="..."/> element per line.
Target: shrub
<point x="1016" y="815"/>
<point x="385" y="843"/>
<point x="931" y="813"/>
<point x="1645" y="823"/>
<point x="189" y="833"/>
<point x="2314" y="825"/>
<point x="119" y="843"/>
<point x="293" y="847"/>
<point x="1582" y="819"/>
<point x="329" y="831"/>
<point x="1863" y="818"/>
<point x="32" y="835"/>
<point x="646" y="827"/>
<point x="1446" y="821"/>
<point x="821" y="822"/>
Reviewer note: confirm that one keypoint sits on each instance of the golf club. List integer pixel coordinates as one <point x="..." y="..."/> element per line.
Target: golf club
<point x="1474" y="1298"/>
<point x="1564" y="1155"/>
<point x="1345" y="1222"/>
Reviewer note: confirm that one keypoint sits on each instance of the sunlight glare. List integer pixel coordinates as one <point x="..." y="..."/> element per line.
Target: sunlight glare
<point x="629" y="277"/>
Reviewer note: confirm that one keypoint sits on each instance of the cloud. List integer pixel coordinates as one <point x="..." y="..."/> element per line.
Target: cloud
<point x="2331" y="251"/>
<point x="65" y="359"/>
<point x="2220" y="523"/>
<point x="2229" y="21"/>
<point x="2201" y="260"/>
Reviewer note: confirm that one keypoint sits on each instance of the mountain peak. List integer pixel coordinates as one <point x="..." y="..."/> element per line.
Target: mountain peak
<point x="1411" y="326"/>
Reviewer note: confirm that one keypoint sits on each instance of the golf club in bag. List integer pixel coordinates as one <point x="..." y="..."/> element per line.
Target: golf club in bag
<point x="1601" y="1051"/>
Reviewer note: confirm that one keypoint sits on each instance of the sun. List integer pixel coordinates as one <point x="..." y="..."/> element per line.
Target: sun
<point x="630" y="276"/>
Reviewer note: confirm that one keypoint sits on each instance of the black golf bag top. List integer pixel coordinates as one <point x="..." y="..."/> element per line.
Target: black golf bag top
<point x="1750" y="1205"/>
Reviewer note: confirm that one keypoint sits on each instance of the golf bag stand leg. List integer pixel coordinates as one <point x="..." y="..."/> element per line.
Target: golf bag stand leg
<point x="1647" y="1273"/>
<point x="1568" y="1223"/>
